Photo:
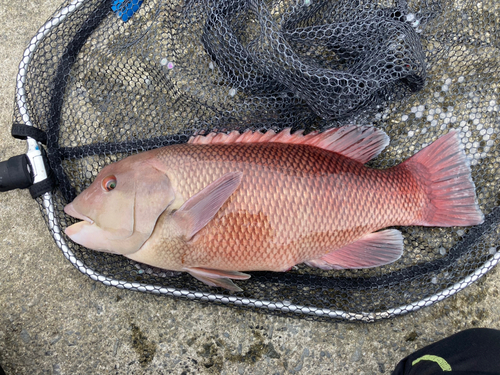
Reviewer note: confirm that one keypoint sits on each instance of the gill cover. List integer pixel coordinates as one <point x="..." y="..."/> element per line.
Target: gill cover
<point x="120" y="208"/>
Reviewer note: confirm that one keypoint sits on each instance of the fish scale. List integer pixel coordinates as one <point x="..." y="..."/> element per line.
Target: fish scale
<point x="333" y="191"/>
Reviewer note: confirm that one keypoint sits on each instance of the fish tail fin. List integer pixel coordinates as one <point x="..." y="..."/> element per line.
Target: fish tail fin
<point x="444" y="170"/>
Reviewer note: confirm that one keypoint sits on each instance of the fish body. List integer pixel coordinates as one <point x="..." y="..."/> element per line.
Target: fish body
<point x="294" y="203"/>
<point x="223" y="204"/>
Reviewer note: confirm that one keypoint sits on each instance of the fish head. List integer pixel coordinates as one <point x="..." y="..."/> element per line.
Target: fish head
<point x="119" y="210"/>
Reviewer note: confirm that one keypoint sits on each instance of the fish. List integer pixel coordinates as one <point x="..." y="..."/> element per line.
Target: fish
<point x="224" y="204"/>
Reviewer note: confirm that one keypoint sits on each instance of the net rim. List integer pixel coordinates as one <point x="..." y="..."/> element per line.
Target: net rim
<point x="281" y="306"/>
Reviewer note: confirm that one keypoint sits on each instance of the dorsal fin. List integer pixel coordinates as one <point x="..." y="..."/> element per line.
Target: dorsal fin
<point x="361" y="143"/>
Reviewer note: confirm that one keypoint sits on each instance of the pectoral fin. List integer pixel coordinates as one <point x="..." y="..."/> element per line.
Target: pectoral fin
<point x="372" y="250"/>
<point x="198" y="210"/>
<point x="218" y="277"/>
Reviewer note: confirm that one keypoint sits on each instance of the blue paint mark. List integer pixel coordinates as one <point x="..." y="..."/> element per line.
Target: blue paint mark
<point x="126" y="8"/>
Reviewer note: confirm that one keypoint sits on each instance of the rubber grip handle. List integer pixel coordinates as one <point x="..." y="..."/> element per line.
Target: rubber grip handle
<point x="15" y="173"/>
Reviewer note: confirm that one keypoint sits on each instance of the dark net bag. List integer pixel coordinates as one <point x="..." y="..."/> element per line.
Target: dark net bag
<point x="102" y="88"/>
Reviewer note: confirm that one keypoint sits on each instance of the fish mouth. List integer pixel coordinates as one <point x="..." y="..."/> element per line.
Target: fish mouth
<point x="70" y="210"/>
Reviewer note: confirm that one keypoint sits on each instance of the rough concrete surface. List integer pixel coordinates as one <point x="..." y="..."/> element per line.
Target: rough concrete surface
<point x="54" y="320"/>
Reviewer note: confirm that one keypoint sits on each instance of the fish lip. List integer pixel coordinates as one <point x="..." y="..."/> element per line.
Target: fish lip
<point x="70" y="210"/>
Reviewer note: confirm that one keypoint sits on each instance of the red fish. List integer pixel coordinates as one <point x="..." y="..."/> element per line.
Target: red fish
<point x="226" y="203"/>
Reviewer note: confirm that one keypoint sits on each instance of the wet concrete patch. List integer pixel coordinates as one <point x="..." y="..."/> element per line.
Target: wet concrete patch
<point x="144" y="348"/>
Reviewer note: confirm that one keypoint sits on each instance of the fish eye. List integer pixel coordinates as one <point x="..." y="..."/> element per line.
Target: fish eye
<point x="109" y="183"/>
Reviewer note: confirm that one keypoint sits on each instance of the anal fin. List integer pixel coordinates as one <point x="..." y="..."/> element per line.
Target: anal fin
<point x="372" y="250"/>
<point x="218" y="277"/>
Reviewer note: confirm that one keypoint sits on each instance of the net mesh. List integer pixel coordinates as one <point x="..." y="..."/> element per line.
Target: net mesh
<point x="103" y="89"/>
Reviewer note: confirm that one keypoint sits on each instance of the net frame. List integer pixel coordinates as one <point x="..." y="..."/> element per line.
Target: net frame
<point x="48" y="209"/>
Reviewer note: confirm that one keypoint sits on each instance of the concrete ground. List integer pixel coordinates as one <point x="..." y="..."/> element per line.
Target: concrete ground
<point x="54" y="320"/>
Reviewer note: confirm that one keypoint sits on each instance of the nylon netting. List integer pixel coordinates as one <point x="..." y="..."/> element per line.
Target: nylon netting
<point x="102" y="89"/>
